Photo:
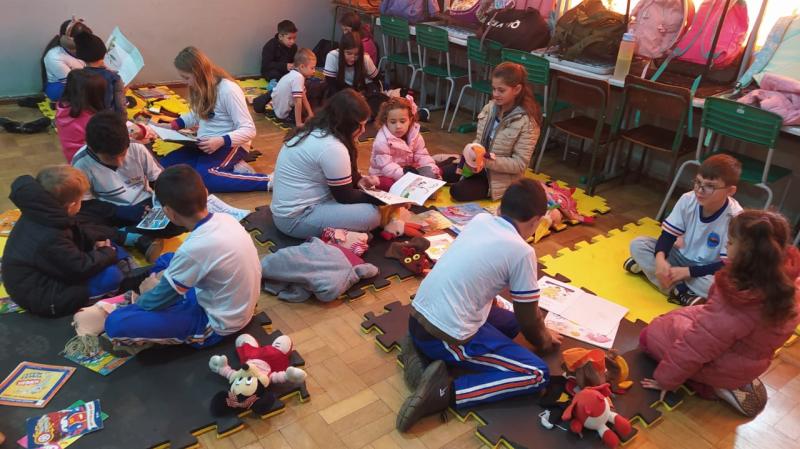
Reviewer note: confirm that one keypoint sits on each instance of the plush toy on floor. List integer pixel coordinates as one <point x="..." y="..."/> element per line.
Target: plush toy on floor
<point x="357" y="242"/>
<point x="412" y="254"/>
<point x="592" y="367"/>
<point x="473" y="160"/>
<point x="561" y="207"/>
<point x="396" y="222"/>
<point x="591" y="409"/>
<point x="261" y="365"/>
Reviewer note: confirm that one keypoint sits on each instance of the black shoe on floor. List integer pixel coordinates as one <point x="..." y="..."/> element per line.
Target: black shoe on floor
<point x="149" y="247"/>
<point x="121" y="351"/>
<point x="432" y="396"/>
<point x="413" y="361"/>
<point x="33" y="127"/>
<point x="631" y="266"/>
<point x="685" y="298"/>
<point x="134" y="279"/>
<point x="30" y="102"/>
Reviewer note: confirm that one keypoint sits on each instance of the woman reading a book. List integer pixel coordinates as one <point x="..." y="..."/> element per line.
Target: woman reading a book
<point x="316" y="183"/>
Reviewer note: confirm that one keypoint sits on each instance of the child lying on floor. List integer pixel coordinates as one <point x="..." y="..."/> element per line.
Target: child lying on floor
<point x="218" y="262"/>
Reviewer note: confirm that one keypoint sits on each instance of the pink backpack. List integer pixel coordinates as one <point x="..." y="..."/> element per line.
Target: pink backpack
<point x="695" y="46"/>
<point x="659" y="24"/>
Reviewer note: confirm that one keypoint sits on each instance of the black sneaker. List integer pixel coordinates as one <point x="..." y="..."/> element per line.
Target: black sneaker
<point x="631" y="266"/>
<point x="432" y="396"/>
<point x="413" y="361"/>
<point x="685" y="298"/>
<point x="149" y="247"/>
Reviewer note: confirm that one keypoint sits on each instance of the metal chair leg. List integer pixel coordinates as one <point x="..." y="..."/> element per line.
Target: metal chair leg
<point x="541" y="150"/>
<point x="766" y="188"/>
<point x="449" y="98"/>
<point x="458" y="103"/>
<point x="672" y="186"/>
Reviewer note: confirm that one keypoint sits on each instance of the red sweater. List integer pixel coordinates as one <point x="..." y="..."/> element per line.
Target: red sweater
<point x="725" y="343"/>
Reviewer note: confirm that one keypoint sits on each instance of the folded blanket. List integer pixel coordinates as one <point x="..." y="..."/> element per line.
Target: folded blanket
<point x="777" y="94"/>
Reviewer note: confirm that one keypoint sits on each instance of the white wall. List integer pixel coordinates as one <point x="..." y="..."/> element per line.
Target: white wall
<point x="232" y="32"/>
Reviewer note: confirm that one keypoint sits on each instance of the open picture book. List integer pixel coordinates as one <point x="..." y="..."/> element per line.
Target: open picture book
<point x="411" y="188"/>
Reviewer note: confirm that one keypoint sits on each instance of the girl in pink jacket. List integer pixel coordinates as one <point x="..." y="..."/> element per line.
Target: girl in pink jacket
<point x="720" y="348"/>
<point x="399" y="148"/>
<point x="83" y="96"/>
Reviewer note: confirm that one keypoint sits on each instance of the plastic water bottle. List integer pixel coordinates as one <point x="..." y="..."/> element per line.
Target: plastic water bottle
<point x="625" y="56"/>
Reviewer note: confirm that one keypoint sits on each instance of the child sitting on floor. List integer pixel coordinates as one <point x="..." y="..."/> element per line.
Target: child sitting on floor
<point x="399" y="147"/>
<point x="84" y="95"/>
<point x="700" y="219"/>
<point x="120" y="174"/>
<point x="277" y="56"/>
<point x="92" y="50"/>
<point x="720" y="348"/>
<point x="348" y="66"/>
<point x="52" y="266"/>
<point x="209" y="288"/>
<point x="289" y="100"/>
<point x="351" y="22"/>
<point x="454" y="321"/>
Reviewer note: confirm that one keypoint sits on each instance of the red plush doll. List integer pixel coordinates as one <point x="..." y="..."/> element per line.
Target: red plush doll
<point x="591" y="409"/>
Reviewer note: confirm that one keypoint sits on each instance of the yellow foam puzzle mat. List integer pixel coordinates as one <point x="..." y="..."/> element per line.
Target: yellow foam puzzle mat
<point x="162" y="148"/>
<point x="46" y="109"/>
<point x="174" y="105"/>
<point x="3" y="292"/>
<point x="259" y="83"/>
<point x="597" y="266"/>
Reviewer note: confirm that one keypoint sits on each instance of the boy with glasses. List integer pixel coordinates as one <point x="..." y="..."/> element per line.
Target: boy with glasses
<point x="690" y="249"/>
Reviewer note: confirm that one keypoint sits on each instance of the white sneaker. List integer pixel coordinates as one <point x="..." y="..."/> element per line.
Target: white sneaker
<point x="244" y="168"/>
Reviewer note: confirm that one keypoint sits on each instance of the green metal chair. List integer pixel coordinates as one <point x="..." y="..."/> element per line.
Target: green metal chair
<point x="538" y="69"/>
<point x="727" y="118"/>
<point x="397" y="29"/>
<point x="486" y="54"/>
<point x="436" y="39"/>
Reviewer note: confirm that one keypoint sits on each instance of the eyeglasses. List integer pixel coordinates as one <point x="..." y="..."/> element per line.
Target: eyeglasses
<point x="705" y="189"/>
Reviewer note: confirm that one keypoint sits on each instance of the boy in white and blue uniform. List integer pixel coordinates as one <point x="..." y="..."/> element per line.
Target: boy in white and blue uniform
<point x="121" y="174"/>
<point x="700" y="219"/>
<point x="289" y="100"/>
<point x="217" y="262"/>
<point x="454" y="321"/>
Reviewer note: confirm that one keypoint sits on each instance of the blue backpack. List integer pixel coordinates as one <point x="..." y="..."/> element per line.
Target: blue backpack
<point x="414" y="11"/>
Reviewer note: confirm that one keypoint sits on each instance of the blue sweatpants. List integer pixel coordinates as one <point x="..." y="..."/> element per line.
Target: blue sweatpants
<point x="107" y="281"/>
<point x="216" y="169"/>
<point x="54" y="90"/>
<point x="499" y="367"/>
<point x="184" y="322"/>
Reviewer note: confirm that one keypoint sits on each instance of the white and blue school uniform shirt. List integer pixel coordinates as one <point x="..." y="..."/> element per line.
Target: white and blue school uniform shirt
<point x="705" y="240"/>
<point x="488" y="256"/>
<point x="331" y="68"/>
<point x="126" y="185"/>
<point x="290" y="86"/>
<point x="58" y="62"/>
<point x="305" y="172"/>
<point x="218" y="259"/>
<point x="230" y="119"/>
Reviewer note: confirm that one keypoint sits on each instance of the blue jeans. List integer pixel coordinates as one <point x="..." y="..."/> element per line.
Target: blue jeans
<point x="184" y="322"/>
<point x="216" y="169"/>
<point x="360" y="217"/>
<point x="500" y="368"/>
<point x="108" y="280"/>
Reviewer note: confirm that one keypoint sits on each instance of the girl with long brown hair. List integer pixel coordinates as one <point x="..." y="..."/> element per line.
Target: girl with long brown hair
<point x="508" y="127"/>
<point x="316" y="179"/>
<point x="720" y="348"/>
<point x="224" y="123"/>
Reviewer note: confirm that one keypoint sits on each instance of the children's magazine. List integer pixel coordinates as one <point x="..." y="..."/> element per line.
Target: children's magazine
<point x="63" y="444"/>
<point x="33" y="384"/>
<point x="431" y="220"/>
<point x="102" y="363"/>
<point x="55" y="427"/>
<point x="411" y="188"/>
<point x="122" y="56"/>
<point x="439" y="244"/>
<point x="461" y="214"/>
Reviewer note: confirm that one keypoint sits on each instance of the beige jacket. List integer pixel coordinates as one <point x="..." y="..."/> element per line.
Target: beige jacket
<point x="513" y="144"/>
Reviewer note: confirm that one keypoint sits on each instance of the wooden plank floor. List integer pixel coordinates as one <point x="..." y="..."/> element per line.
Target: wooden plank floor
<point x="356" y="388"/>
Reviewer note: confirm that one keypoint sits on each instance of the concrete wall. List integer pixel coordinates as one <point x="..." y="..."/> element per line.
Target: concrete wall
<point x="232" y="32"/>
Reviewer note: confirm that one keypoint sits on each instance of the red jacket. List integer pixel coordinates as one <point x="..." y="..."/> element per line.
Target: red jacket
<point x="725" y="343"/>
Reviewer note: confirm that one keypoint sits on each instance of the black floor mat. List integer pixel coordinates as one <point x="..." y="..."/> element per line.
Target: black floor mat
<point x="160" y="396"/>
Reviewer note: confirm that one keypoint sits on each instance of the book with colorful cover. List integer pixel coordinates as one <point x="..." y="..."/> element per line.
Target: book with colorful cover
<point x="63" y="444"/>
<point x="461" y="214"/>
<point x="102" y="363"/>
<point x="53" y="429"/>
<point x="410" y="188"/>
<point x="153" y="93"/>
<point x="431" y="220"/>
<point x="9" y="306"/>
<point x="33" y="384"/>
<point x="7" y="221"/>
<point x="439" y="244"/>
